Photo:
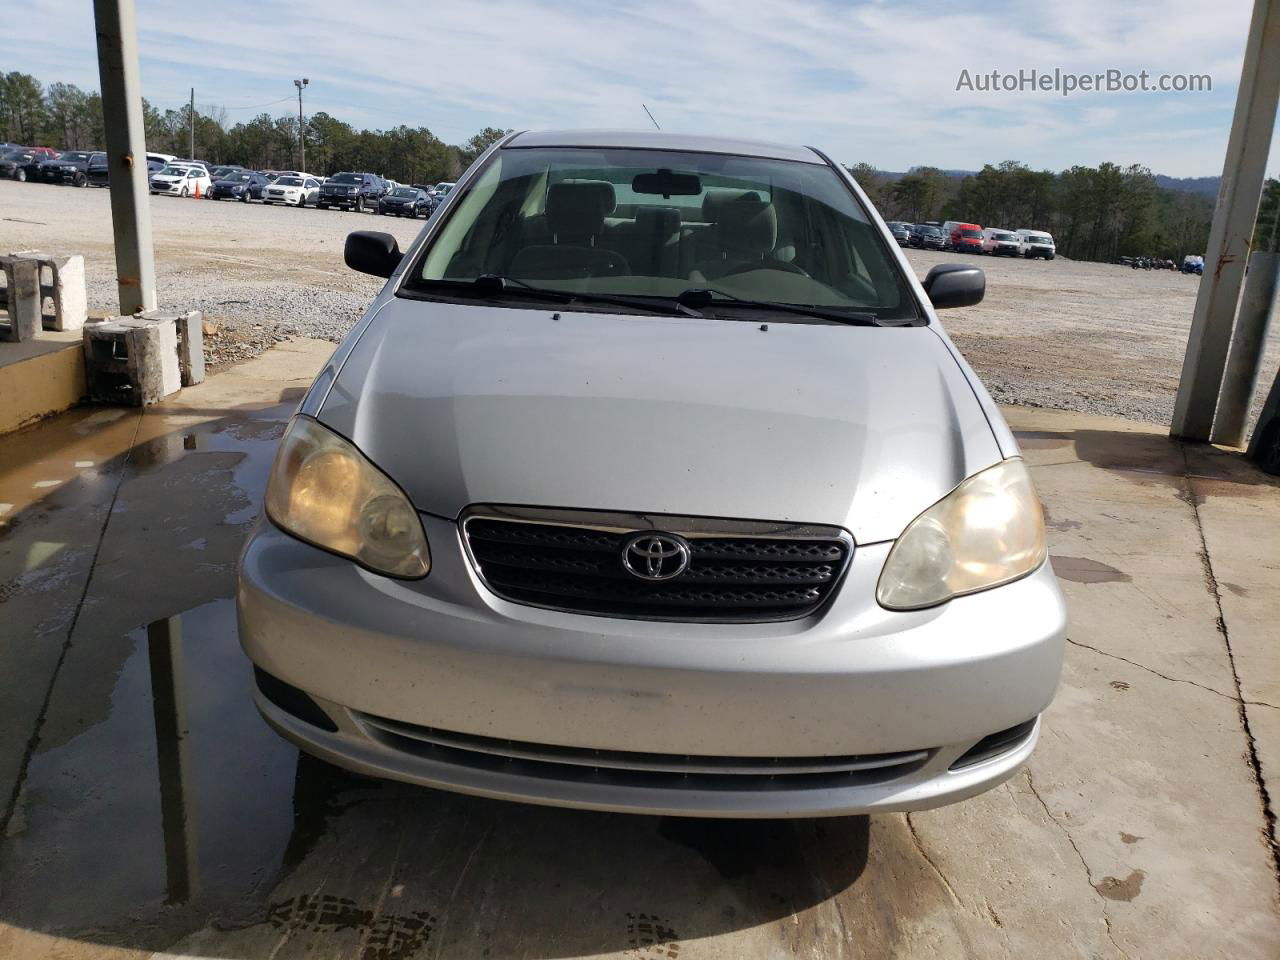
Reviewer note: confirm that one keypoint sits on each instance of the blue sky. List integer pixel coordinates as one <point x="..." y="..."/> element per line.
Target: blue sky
<point x="873" y="81"/>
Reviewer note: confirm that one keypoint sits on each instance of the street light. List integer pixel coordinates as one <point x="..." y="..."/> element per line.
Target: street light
<point x="302" y="137"/>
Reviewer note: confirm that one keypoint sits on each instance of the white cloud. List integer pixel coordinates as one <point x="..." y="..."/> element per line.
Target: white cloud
<point x="867" y="81"/>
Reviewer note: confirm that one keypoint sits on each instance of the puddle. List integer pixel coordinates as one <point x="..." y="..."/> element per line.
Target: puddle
<point x="179" y="796"/>
<point x="1084" y="570"/>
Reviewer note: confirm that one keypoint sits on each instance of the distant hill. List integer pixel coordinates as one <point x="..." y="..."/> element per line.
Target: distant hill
<point x="1207" y="186"/>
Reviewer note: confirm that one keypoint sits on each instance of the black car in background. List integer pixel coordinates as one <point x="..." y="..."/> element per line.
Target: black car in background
<point x="98" y="171"/>
<point x="352" y="191"/>
<point x="70" y="167"/>
<point x="242" y="185"/>
<point x="20" y="164"/>
<point x="927" y="237"/>
<point x="406" y="202"/>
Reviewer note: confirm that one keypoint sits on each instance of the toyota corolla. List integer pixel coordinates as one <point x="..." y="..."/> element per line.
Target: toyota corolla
<point x="650" y="482"/>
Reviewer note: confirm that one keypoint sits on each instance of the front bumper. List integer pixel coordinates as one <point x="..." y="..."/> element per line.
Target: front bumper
<point x="445" y="655"/>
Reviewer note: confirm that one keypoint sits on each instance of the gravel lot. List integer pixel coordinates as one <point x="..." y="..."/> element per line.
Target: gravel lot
<point x="1078" y="336"/>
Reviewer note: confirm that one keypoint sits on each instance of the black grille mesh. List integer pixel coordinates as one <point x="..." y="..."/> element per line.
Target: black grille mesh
<point x="729" y="578"/>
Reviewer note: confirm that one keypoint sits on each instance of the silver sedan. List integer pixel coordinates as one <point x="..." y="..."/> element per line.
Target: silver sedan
<point x="650" y="483"/>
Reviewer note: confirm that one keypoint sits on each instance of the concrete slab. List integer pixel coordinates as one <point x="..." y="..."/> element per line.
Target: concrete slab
<point x="1138" y="830"/>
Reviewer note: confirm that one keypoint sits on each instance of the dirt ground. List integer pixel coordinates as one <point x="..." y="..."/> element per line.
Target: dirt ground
<point x="1096" y="338"/>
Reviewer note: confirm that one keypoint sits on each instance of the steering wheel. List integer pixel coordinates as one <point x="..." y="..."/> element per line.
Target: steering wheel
<point x="750" y="265"/>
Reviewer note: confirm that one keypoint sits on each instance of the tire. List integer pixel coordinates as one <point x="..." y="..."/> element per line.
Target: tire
<point x="244" y="197"/>
<point x="359" y="205"/>
<point x="1048" y="256"/>
<point x="183" y="192"/>
<point x="20" y="175"/>
<point x="322" y="206"/>
<point x="302" y="200"/>
<point x="80" y="180"/>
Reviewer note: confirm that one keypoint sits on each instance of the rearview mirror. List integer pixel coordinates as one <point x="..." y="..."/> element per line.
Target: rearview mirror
<point x="667" y="183"/>
<point x="955" y="285"/>
<point x="371" y="252"/>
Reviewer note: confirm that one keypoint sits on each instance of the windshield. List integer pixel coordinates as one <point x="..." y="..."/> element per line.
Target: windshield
<point x="657" y="223"/>
<point x="347" y="178"/>
<point x="16" y="155"/>
<point x="174" y="171"/>
<point x="443" y="188"/>
<point x="1036" y="238"/>
<point x="289" y="182"/>
<point x="237" y="177"/>
<point x="76" y="157"/>
<point x="931" y="231"/>
<point x="970" y="233"/>
<point x="404" y="192"/>
<point x="1003" y="236"/>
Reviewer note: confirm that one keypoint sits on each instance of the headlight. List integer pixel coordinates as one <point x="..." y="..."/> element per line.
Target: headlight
<point x="324" y="491"/>
<point x="987" y="531"/>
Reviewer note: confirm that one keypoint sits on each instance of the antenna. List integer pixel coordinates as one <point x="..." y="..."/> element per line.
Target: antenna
<point x="655" y="122"/>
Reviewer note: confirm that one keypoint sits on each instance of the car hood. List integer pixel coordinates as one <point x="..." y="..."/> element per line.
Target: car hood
<point x="463" y="404"/>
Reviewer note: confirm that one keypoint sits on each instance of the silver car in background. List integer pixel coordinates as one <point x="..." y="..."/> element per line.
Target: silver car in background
<point x="650" y="483"/>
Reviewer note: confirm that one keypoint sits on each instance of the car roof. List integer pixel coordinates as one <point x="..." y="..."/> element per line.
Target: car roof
<point x="660" y="140"/>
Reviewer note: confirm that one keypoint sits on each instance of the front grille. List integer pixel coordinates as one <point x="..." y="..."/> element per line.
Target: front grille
<point x="738" y="571"/>
<point x="636" y="769"/>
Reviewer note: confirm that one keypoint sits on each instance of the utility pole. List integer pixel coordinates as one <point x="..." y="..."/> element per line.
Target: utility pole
<point x="117" y="31"/>
<point x="191" y="117"/>
<point x="302" y="133"/>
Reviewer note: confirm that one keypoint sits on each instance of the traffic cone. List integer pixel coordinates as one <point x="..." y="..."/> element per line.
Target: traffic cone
<point x="197" y="189"/>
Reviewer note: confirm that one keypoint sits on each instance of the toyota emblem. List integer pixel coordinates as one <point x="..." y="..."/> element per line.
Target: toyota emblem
<point x="655" y="556"/>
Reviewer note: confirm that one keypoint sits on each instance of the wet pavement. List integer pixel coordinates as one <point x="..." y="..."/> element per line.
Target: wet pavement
<point x="147" y="808"/>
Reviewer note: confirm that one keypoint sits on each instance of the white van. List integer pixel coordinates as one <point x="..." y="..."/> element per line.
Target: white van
<point x="1035" y="243"/>
<point x="997" y="241"/>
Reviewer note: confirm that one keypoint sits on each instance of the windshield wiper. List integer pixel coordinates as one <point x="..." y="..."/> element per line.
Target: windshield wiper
<point x="707" y="296"/>
<point x="494" y="285"/>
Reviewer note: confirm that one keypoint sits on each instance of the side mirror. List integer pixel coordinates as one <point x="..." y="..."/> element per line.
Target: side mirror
<point x="372" y="252"/>
<point x="954" y="285"/>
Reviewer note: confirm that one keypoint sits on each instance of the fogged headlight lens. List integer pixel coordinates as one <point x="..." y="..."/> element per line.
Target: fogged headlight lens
<point x="324" y="491"/>
<point x="987" y="531"/>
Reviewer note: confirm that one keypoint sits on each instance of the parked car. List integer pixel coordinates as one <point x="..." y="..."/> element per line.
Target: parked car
<point x="1193" y="263"/>
<point x="99" y="171"/>
<point x="772" y="559"/>
<point x="1036" y="243"/>
<point x="71" y="167"/>
<point x="443" y="188"/>
<point x="927" y="237"/>
<point x="901" y="232"/>
<point x="965" y="238"/>
<point x="294" y="191"/>
<point x="405" y="202"/>
<point x="181" y="181"/>
<point x="244" y="185"/>
<point x="351" y="191"/>
<point x="998" y="242"/>
<point x="19" y="164"/>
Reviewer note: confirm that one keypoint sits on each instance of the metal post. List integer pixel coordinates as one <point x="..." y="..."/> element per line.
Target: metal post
<point x="126" y="153"/>
<point x="191" y="119"/>
<point x="1244" y="363"/>
<point x="302" y="134"/>
<point x="1233" y="222"/>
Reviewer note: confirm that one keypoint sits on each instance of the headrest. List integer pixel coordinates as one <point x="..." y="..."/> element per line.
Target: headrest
<point x="749" y="226"/>
<point x="576" y="210"/>
<point x="660" y="221"/>
<point x="715" y="199"/>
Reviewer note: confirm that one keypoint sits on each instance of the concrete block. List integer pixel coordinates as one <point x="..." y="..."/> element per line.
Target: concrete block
<point x="22" y="297"/>
<point x="132" y="360"/>
<point x="190" y="332"/>
<point x="61" y="281"/>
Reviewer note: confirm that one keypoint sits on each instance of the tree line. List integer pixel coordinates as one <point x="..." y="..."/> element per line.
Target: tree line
<point x="1094" y="213"/>
<point x="65" y="116"/>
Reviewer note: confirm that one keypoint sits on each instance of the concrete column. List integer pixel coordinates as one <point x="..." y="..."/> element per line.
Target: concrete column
<point x="1233" y="222"/>
<point x="22" y="296"/>
<point x="1244" y="363"/>
<point x="126" y="153"/>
